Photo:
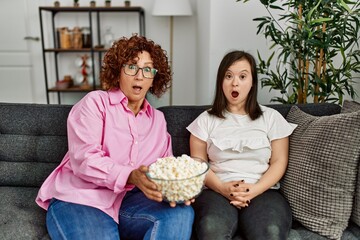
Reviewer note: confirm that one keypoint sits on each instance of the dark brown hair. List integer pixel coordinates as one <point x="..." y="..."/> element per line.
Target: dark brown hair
<point x="220" y="103"/>
<point x="127" y="49"/>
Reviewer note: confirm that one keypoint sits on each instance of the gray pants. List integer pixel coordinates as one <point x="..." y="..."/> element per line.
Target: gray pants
<point x="267" y="217"/>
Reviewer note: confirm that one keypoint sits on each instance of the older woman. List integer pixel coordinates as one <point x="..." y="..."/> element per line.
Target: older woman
<point x="100" y="190"/>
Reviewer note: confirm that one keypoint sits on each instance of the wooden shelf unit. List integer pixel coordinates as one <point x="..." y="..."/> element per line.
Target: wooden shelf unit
<point x="92" y="50"/>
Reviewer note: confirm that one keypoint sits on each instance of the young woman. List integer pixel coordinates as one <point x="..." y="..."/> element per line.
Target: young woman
<point x="246" y="145"/>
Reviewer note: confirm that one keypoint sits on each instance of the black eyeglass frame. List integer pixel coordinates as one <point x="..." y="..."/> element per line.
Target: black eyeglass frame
<point x="142" y="70"/>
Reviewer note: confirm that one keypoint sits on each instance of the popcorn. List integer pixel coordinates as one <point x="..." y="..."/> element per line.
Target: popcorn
<point x="179" y="178"/>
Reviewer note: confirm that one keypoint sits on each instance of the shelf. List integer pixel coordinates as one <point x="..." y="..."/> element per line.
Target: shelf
<point x="75" y="50"/>
<point x="50" y="50"/>
<point x="74" y="89"/>
<point x="93" y="9"/>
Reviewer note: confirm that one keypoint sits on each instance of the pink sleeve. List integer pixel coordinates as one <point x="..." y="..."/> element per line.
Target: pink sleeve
<point x="168" y="151"/>
<point x="88" y="160"/>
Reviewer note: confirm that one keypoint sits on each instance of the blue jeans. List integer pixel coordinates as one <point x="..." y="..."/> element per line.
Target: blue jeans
<point x="267" y="217"/>
<point x="139" y="218"/>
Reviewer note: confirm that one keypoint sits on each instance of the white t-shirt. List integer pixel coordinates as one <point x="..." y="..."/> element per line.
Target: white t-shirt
<point x="238" y="147"/>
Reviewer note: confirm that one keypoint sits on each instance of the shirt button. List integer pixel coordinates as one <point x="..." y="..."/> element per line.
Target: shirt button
<point x="132" y="163"/>
<point x="136" y="142"/>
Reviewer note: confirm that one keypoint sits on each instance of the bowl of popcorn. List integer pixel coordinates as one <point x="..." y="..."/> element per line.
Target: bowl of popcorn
<point x="179" y="178"/>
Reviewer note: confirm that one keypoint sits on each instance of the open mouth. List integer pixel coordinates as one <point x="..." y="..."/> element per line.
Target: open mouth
<point x="137" y="88"/>
<point x="234" y="94"/>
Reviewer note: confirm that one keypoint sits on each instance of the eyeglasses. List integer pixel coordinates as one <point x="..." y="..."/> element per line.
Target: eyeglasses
<point x="132" y="70"/>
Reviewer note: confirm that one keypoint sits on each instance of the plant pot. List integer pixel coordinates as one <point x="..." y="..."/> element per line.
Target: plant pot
<point x="107" y="3"/>
<point x="92" y="4"/>
<point x="57" y="4"/>
<point x="127" y="3"/>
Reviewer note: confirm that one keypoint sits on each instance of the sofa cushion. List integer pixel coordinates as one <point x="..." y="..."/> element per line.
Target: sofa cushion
<point x="320" y="180"/>
<point x="20" y="217"/>
<point x="177" y="119"/>
<point x="33" y="140"/>
<point x="348" y="107"/>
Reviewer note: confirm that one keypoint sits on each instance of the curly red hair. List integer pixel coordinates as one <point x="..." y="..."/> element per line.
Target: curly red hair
<point x="127" y="49"/>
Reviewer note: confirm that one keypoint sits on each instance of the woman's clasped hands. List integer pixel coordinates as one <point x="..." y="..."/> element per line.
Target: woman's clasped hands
<point x="238" y="192"/>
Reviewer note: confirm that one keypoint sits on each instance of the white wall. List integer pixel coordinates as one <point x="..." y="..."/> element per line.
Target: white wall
<point x="232" y="28"/>
<point x="204" y="79"/>
<point x="200" y="41"/>
<point x="184" y="52"/>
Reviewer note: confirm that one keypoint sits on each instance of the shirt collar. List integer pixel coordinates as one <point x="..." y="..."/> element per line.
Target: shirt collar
<point x="117" y="96"/>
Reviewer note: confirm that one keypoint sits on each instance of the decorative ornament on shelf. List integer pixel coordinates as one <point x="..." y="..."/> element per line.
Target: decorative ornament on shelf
<point x="127" y="3"/>
<point x="77" y="38"/>
<point x="92" y="3"/>
<point x="86" y="37"/>
<point x="76" y="3"/>
<point x="56" y="4"/>
<point x="84" y="79"/>
<point x="64" y="83"/>
<point x="65" y="38"/>
<point x="107" y="3"/>
<point x="108" y="38"/>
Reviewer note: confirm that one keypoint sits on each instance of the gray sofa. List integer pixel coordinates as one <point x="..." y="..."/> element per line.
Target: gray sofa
<point x="33" y="141"/>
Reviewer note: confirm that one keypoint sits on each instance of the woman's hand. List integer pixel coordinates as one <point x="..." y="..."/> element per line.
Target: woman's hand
<point x="187" y="203"/>
<point x="149" y="188"/>
<point x="243" y="194"/>
<point x="138" y="178"/>
<point x="228" y="189"/>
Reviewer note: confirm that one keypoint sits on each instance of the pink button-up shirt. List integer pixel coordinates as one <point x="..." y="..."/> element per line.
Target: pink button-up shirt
<point x="106" y="142"/>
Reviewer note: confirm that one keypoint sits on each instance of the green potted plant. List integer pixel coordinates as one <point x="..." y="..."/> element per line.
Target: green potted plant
<point x="316" y="46"/>
<point x="76" y="3"/>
